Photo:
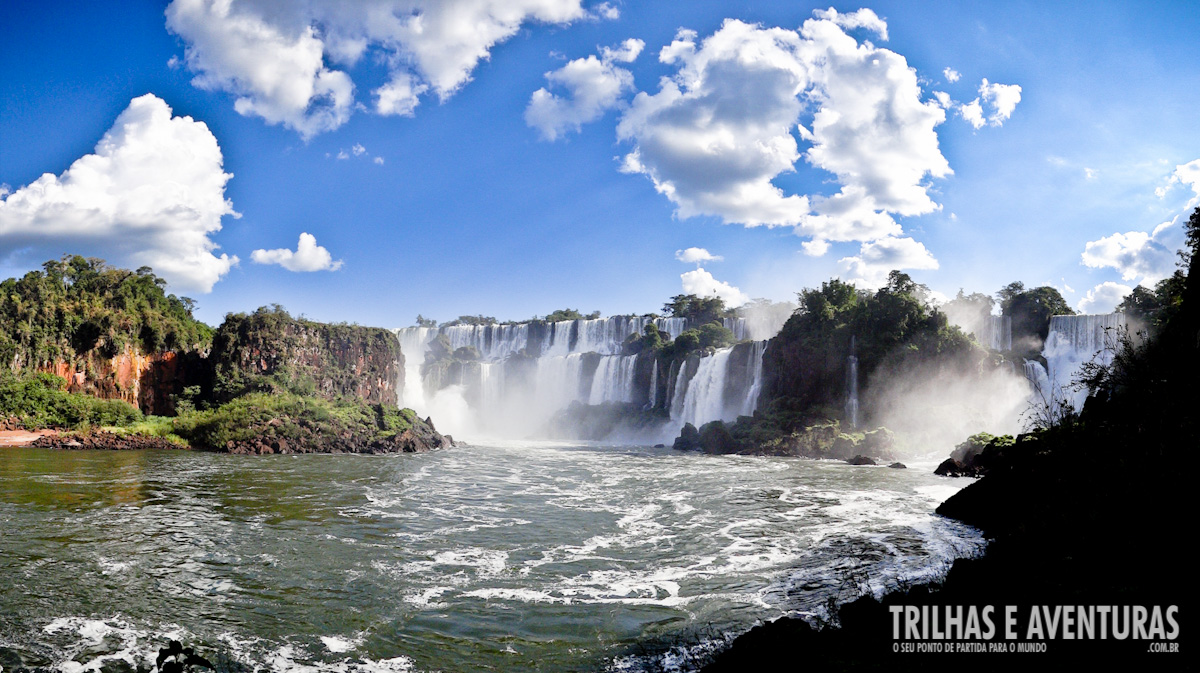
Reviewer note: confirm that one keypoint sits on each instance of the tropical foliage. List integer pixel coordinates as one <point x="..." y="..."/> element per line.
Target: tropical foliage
<point x="80" y="306"/>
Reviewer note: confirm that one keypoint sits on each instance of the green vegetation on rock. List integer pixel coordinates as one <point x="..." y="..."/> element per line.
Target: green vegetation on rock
<point x="286" y="421"/>
<point x="80" y="307"/>
<point x="1031" y="310"/>
<point x="40" y="401"/>
<point x="270" y="351"/>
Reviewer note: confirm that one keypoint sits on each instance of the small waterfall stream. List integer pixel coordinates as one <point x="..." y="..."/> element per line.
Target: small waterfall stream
<point x="852" y="386"/>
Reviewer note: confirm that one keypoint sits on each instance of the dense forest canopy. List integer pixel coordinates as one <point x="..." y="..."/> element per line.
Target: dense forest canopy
<point x="76" y="306"/>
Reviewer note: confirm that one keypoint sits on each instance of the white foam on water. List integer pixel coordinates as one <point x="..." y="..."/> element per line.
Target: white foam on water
<point x="337" y="644"/>
<point x="132" y="645"/>
<point x="519" y="595"/>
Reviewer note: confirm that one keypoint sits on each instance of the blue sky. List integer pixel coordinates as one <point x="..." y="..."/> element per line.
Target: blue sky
<point x="463" y="203"/>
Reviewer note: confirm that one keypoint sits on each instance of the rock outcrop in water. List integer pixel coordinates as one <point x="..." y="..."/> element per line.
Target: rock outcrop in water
<point x="826" y="365"/>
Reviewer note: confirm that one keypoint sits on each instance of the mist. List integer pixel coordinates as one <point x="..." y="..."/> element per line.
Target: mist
<point x="933" y="409"/>
<point x="765" y="318"/>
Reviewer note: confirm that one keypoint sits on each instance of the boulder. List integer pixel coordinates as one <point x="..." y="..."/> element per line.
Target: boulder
<point x="861" y="460"/>
<point x="688" y="439"/>
<point x="715" y="439"/>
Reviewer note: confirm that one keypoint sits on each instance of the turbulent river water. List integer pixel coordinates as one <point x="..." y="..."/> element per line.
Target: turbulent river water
<point x="509" y="557"/>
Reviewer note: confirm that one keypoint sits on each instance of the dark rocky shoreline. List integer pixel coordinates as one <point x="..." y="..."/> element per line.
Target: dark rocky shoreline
<point x="1075" y="518"/>
<point x="420" y="438"/>
<point x="104" y="441"/>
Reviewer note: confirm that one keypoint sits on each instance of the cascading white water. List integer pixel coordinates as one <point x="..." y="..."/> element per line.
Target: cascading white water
<point x="852" y="386"/>
<point x="414" y="343"/>
<point x="559" y="381"/>
<point x="679" y="391"/>
<point x="553" y="370"/>
<point x="613" y="381"/>
<point x="494" y="342"/>
<point x="737" y="326"/>
<point x="756" y="368"/>
<point x="708" y="394"/>
<point x="995" y="332"/>
<point x="653" y="386"/>
<point x="1073" y="340"/>
<point x="704" y="400"/>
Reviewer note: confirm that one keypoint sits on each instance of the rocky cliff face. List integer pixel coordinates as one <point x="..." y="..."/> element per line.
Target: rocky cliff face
<point x="269" y="350"/>
<point x="151" y="382"/>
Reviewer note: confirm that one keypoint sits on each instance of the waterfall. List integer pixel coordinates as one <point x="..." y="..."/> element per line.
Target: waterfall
<point x="756" y="368"/>
<point x="672" y="326"/>
<point x="719" y="387"/>
<point x="1074" y="340"/>
<point x="414" y="343"/>
<point x="653" y="385"/>
<point x="852" y="386"/>
<point x="680" y="391"/>
<point x="995" y="332"/>
<point x="737" y="326"/>
<point x="705" y="397"/>
<point x="613" y="381"/>
<point x="527" y="372"/>
<point x="494" y="342"/>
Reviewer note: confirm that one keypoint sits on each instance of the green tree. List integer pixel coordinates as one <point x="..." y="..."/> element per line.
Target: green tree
<point x="1031" y="310"/>
<point x="697" y="310"/>
<point x="79" y="308"/>
<point x="564" y="314"/>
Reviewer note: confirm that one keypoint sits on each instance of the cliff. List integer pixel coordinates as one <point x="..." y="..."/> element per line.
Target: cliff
<point x="151" y="382"/>
<point x="270" y="351"/>
<point x="110" y="333"/>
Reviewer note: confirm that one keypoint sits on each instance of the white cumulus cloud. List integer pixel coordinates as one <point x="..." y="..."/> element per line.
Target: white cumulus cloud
<point x="1136" y="254"/>
<point x="1147" y="257"/>
<point x="701" y="283"/>
<point x="951" y="75"/>
<point x="863" y="18"/>
<point x="593" y="85"/>
<point x="606" y="10"/>
<point x="718" y="132"/>
<point x="696" y="256"/>
<point x="815" y="248"/>
<point x="876" y="259"/>
<point x="282" y="60"/>
<point x="1186" y="174"/>
<point x="1104" y="297"/>
<point x="152" y="193"/>
<point x="1000" y="99"/>
<point x="308" y="256"/>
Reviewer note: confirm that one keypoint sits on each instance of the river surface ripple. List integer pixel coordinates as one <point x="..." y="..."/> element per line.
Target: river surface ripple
<point x="507" y="556"/>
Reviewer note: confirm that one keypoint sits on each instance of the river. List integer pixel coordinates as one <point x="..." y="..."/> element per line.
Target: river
<point x="507" y="556"/>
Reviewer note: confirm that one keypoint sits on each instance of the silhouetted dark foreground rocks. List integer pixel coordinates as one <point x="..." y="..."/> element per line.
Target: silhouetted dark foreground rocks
<point x="1075" y="520"/>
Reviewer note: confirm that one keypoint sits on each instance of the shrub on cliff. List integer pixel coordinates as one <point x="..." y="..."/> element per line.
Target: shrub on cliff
<point x="697" y="310"/>
<point x="1031" y="310"/>
<point x="270" y="351"/>
<point x="40" y="401"/>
